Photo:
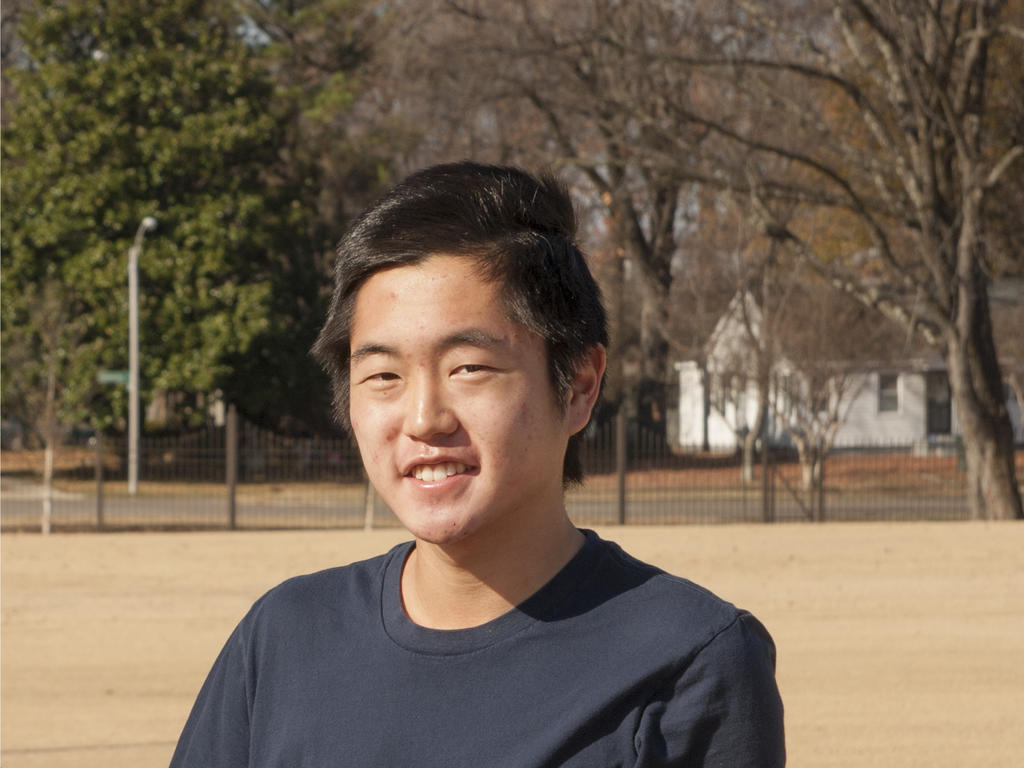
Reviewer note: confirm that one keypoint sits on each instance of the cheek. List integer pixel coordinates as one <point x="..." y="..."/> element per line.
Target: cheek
<point x="369" y="428"/>
<point x="522" y="431"/>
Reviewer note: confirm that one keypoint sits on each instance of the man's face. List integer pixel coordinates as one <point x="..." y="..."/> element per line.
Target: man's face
<point x="452" y="404"/>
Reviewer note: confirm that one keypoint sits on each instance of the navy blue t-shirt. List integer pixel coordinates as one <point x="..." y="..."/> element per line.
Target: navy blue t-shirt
<point x="612" y="663"/>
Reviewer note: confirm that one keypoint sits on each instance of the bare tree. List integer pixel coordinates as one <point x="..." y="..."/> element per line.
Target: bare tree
<point x="790" y="353"/>
<point x="866" y="136"/>
<point x="875" y="118"/>
<point x="37" y="362"/>
<point x="830" y="341"/>
<point x="741" y="353"/>
<point x="739" y="365"/>
<point x="915" y="77"/>
<point x="537" y="82"/>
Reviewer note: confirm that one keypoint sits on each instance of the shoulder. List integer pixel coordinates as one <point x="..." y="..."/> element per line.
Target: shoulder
<point x="668" y="603"/>
<point x="670" y="609"/>
<point x="714" y="684"/>
<point x="333" y="591"/>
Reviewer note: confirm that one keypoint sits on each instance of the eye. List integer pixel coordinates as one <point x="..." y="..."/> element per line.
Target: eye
<point x="473" y="370"/>
<point x="379" y="379"/>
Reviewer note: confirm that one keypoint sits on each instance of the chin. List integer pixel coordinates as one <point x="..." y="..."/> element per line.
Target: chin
<point x="440" y="530"/>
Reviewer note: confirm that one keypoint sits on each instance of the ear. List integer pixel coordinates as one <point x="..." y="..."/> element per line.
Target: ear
<point x="586" y="386"/>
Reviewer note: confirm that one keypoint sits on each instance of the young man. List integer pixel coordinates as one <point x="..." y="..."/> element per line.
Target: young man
<point x="466" y="344"/>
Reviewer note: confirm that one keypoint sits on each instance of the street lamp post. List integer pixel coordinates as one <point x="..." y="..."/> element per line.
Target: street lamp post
<point x="148" y="224"/>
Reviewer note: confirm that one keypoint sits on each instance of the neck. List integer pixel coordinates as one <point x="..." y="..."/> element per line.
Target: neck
<point x="468" y="583"/>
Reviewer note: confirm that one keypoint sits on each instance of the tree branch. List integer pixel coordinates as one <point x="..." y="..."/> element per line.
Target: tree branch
<point x="1009" y="157"/>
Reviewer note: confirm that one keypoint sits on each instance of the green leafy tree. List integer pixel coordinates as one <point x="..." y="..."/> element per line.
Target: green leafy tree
<point x="127" y="109"/>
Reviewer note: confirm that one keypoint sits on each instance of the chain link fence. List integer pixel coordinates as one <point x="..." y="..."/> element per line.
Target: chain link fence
<point x="240" y="476"/>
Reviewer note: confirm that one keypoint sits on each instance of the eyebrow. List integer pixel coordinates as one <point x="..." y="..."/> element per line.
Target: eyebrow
<point x="366" y="350"/>
<point x="471" y="337"/>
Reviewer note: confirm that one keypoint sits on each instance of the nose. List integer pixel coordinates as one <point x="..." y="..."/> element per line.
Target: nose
<point x="428" y="413"/>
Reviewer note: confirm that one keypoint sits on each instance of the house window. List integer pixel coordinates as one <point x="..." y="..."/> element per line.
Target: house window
<point x="888" y="392"/>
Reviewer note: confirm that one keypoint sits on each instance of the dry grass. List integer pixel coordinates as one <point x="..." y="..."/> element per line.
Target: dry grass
<point x="899" y="644"/>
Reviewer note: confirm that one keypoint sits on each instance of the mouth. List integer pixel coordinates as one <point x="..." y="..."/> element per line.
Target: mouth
<point x="435" y="473"/>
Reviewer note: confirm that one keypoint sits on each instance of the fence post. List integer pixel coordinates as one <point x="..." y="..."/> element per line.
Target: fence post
<point x="98" y="437"/>
<point x="821" y="490"/>
<point x="231" y="463"/>
<point x="766" y="484"/>
<point x="620" y="461"/>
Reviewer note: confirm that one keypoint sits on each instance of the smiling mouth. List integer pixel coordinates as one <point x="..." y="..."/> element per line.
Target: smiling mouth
<point x="433" y="473"/>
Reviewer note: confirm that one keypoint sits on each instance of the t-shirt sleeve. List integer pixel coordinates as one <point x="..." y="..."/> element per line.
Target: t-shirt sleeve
<point x="722" y="709"/>
<point x="216" y="734"/>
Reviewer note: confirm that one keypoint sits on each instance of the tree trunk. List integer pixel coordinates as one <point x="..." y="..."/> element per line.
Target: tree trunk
<point x="705" y="381"/>
<point x="49" y="437"/>
<point x="977" y="388"/>
<point x="1017" y="385"/>
<point x="47" y="486"/>
<point x="803" y="454"/>
<point x="747" y="471"/>
<point x="757" y="431"/>
<point x="992" y="492"/>
<point x="810" y="465"/>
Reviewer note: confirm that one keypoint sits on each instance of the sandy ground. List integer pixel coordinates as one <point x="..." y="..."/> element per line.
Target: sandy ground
<point x="899" y="644"/>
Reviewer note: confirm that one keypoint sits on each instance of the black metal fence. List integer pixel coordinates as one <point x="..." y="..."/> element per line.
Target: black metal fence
<point x="245" y="477"/>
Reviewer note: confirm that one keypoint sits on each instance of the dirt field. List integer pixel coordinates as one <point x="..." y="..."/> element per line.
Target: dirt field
<point x="899" y="644"/>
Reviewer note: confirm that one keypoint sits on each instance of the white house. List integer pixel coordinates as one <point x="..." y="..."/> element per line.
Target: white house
<point x="904" y="403"/>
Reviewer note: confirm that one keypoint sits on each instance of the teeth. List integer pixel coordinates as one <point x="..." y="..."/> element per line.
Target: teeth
<point x="433" y="473"/>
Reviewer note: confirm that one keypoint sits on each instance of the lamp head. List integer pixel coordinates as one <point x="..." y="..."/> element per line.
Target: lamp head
<point x="148" y="224"/>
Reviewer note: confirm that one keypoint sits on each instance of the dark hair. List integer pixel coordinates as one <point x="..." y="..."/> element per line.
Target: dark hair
<point x="519" y="229"/>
